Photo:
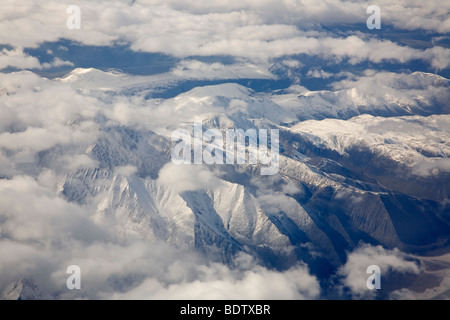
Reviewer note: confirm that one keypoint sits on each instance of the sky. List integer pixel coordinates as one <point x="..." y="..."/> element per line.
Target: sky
<point x="294" y="45"/>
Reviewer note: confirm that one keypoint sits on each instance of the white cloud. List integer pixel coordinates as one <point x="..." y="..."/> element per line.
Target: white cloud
<point x="256" y="284"/>
<point x="256" y="30"/>
<point x="354" y="271"/>
<point x="318" y="73"/>
<point x="292" y="63"/>
<point x="431" y="166"/>
<point x="42" y="218"/>
<point x="276" y="202"/>
<point x="16" y="58"/>
<point x="186" y="177"/>
<point x="439" y="57"/>
<point x="45" y="234"/>
<point x="39" y="114"/>
<point x="57" y="62"/>
<point x="197" y="69"/>
<point x="20" y="260"/>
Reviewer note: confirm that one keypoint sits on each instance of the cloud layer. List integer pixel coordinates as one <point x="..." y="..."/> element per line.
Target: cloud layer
<point x="48" y="129"/>
<point x="257" y="30"/>
<point x="42" y="237"/>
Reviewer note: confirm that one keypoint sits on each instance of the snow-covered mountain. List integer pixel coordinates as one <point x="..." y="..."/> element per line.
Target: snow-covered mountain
<point x="380" y="179"/>
<point x="368" y="165"/>
<point x="380" y="94"/>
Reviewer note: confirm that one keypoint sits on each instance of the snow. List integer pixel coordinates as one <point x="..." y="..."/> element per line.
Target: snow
<point x="239" y="210"/>
<point x="114" y="80"/>
<point x="407" y="137"/>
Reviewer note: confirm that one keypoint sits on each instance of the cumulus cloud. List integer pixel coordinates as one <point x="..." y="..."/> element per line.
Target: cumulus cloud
<point x="354" y="271"/>
<point x="41" y="237"/>
<point x="39" y="114"/>
<point x="57" y="62"/>
<point x="318" y="73"/>
<point x="439" y="57"/>
<point x="256" y="30"/>
<point x="43" y="217"/>
<point x="187" y="177"/>
<point x="197" y="69"/>
<point x="276" y="202"/>
<point x="16" y="58"/>
<point x="216" y="281"/>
